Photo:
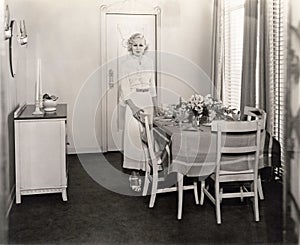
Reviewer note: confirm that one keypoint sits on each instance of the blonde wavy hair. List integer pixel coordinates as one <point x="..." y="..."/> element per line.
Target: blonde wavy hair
<point x="130" y="41"/>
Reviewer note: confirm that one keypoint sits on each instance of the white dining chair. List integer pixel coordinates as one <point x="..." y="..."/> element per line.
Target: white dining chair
<point x="253" y="113"/>
<point x="155" y="177"/>
<point x="237" y="161"/>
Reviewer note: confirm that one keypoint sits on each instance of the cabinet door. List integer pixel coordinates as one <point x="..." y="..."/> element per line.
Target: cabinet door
<point x="42" y="156"/>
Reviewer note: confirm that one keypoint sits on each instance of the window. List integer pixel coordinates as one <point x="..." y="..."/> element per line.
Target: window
<point x="233" y="22"/>
<point x="233" y="50"/>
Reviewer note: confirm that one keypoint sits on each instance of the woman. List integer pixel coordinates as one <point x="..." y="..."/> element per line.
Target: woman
<point x="139" y="94"/>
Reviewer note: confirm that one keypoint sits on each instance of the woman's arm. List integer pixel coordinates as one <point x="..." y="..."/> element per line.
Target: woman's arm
<point x="133" y="107"/>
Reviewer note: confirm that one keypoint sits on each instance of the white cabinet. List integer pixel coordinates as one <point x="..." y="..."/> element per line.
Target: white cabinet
<point x="40" y="153"/>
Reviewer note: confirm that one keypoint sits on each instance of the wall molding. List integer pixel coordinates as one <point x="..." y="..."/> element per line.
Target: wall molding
<point x="83" y="150"/>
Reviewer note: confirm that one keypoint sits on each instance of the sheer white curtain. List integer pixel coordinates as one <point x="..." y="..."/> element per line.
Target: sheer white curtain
<point x="228" y="50"/>
<point x="233" y="59"/>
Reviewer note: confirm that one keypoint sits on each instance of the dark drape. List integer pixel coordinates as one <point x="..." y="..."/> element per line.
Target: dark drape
<point x="264" y="47"/>
<point x="264" y="66"/>
<point x="248" y="88"/>
<point x="217" y="49"/>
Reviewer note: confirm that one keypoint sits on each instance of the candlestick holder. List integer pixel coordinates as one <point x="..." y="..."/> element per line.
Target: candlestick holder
<point x="37" y="110"/>
<point x="41" y="102"/>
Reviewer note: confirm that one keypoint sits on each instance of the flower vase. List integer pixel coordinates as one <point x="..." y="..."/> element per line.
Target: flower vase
<point x="204" y="120"/>
<point x="195" y="121"/>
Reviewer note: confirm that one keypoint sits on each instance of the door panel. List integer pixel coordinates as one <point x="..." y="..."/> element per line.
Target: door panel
<point x="119" y="28"/>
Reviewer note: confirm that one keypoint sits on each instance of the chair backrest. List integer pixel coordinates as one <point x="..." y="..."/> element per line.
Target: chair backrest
<point x="238" y="137"/>
<point x="255" y="113"/>
<point x="147" y="139"/>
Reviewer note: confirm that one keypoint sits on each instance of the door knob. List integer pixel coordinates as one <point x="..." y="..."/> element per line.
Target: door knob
<point x="111" y="78"/>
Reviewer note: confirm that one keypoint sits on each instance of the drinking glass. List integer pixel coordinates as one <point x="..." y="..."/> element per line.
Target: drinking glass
<point x="180" y="114"/>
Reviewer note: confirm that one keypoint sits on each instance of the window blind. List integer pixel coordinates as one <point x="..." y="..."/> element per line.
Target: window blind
<point x="277" y="60"/>
<point x="233" y="51"/>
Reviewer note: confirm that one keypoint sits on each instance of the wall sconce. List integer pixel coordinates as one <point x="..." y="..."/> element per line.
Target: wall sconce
<point x="7" y="28"/>
<point x="12" y="35"/>
<point x="23" y="39"/>
<point x="11" y="61"/>
<point x="8" y="35"/>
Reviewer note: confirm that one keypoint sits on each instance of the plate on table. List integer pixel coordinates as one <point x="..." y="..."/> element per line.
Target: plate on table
<point x="189" y="128"/>
<point x="207" y="124"/>
<point x="166" y="119"/>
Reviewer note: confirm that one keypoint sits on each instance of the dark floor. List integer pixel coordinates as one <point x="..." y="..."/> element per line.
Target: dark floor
<point x="94" y="214"/>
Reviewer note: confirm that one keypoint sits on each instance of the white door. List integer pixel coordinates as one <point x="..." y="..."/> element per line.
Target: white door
<point x="119" y="28"/>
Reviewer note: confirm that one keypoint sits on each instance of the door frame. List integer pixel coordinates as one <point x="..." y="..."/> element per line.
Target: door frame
<point x="124" y="9"/>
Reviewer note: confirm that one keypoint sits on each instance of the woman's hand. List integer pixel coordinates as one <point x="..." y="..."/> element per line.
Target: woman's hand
<point x="132" y="106"/>
<point x="135" y="110"/>
<point x="137" y="115"/>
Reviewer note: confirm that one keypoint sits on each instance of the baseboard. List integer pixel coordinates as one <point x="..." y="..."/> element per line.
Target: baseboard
<point x="10" y="200"/>
<point x="83" y="150"/>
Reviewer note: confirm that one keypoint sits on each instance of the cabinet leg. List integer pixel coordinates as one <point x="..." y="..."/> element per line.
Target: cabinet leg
<point x="64" y="195"/>
<point x="18" y="198"/>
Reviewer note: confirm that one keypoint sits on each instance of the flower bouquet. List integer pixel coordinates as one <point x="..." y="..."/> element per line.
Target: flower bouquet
<point x="206" y="108"/>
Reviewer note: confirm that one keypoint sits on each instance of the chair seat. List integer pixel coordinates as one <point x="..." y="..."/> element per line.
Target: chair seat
<point x="223" y="172"/>
<point x="226" y="176"/>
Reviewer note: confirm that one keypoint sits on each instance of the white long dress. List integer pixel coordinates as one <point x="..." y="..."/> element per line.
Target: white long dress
<point x="137" y="83"/>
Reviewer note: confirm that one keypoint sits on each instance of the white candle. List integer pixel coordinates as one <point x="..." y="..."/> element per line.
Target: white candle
<point x="37" y="86"/>
<point x="40" y="81"/>
<point x="37" y="91"/>
<point x="40" y="74"/>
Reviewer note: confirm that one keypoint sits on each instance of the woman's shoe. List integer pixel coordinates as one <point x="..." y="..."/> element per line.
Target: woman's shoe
<point x="135" y="182"/>
<point x="159" y="164"/>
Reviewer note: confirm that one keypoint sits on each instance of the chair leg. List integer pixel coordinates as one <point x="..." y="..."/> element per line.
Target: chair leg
<point x="218" y="204"/>
<point x="147" y="180"/>
<point x="242" y="192"/>
<point x="221" y="195"/>
<point x="260" y="190"/>
<point x="196" y="192"/>
<point x="146" y="184"/>
<point x="256" y="210"/>
<point x="202" y="192"/>
<point x="180" y="195"/>
<point x="153" y="190"/>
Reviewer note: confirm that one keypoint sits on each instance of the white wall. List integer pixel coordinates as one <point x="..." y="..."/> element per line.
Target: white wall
<point x="66" y="36"/>
<point x="10" y="91"/>
<point x="3" y="139"/>
<point x="187" y="33"/>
